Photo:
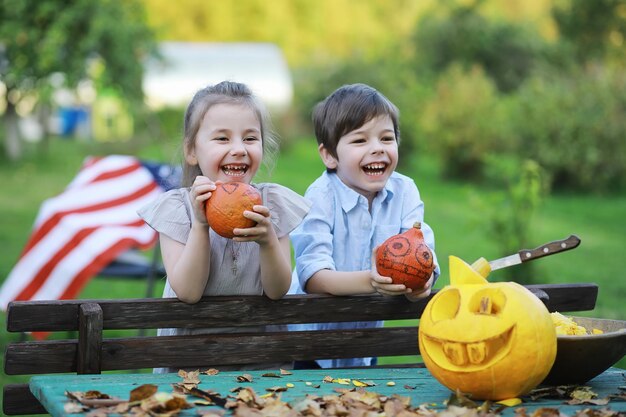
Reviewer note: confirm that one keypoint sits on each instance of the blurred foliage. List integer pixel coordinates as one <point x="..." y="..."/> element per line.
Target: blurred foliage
<point x="507" y="51"/>
<point x="307" y="31"/>
<point x="40" y="39"/>
<point x="593" y="29"/>
<point x="574" y="125"/>
<point x="508" y="218"/>
<point x="463" y="120"/>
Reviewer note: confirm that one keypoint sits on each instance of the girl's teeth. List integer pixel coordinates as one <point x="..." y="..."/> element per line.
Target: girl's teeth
<point x="235" y="171"/>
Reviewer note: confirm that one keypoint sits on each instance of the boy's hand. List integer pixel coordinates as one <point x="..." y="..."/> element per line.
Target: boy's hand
<point x="384" y="285"/>
<point x="424" y="292"/>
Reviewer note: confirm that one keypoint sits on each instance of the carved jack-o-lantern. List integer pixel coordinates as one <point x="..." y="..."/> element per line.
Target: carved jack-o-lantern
<point x="406" y="258"/>
<point x="493" y="341"/>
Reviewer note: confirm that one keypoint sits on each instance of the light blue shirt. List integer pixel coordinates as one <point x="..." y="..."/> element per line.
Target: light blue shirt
<point x="339" y="233"/>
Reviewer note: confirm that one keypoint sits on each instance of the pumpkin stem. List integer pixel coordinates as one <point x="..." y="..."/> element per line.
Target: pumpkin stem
<point x="417" y="225"/>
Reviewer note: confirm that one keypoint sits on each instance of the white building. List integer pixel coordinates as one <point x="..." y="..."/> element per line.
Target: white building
<point x="189" y="66"/>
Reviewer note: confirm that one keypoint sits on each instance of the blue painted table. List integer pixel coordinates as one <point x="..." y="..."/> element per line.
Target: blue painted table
<point x="416" y="383"/>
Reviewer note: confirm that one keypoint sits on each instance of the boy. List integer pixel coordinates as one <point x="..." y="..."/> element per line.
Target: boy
<point x="358" y="203"/>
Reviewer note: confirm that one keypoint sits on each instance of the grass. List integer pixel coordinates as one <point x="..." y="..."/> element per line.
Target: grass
<point x="459" y="228"/>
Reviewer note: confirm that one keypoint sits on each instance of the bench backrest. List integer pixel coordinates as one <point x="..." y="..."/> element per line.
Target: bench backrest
<point x="92" y="351"/>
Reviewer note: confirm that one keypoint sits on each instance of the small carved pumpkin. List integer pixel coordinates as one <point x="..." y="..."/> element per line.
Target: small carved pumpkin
<point x="406" y="258"/>
<point x="224" y="210"/>
<point x="493" y="341"/>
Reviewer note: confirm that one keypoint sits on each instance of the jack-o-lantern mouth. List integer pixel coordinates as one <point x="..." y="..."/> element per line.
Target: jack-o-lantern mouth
<point x="468" y="356"/>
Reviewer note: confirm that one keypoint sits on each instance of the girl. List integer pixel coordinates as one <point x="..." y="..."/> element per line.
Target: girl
<point x="226" y="136"/>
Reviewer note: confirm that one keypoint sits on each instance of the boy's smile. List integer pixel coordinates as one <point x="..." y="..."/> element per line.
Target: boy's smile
<point x="366" y="157"/>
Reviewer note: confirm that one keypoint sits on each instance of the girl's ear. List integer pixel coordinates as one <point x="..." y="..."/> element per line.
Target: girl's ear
<point x="329" y="160"/>
<point x="190" y="154"/>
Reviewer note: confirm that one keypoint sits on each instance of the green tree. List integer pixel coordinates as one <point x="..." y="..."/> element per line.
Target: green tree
<point x="458" y="33"/>
<point x="39" y="38"/>
<point x="594" y="29"/>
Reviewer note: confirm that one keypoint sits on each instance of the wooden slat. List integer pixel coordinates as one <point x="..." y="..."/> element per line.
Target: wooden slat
<point x="227" y="349"/>
<point x="215" y="349"/>
<point x="569" y="297"/>
<point x="18" y="400"/>
<point x="213" y="312"/>
<point x="89" y="339"/>
<point x="40" y="357"/>
<point x="25" y="316"/>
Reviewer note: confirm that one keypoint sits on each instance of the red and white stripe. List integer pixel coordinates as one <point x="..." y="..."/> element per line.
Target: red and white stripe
<point x="83" y="229"/>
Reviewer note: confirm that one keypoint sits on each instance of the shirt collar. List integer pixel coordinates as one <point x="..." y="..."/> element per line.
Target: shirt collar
<point x="349" y="198"/>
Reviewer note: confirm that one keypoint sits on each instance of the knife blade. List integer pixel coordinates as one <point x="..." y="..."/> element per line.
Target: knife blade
<point x="526" y="255"/>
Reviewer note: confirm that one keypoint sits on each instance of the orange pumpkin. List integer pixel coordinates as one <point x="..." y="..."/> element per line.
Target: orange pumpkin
<point x="406" y="258"/>
<point x="224" y="210"/>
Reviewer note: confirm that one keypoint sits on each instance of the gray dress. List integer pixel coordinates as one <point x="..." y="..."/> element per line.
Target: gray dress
<point x="235" y="266"/>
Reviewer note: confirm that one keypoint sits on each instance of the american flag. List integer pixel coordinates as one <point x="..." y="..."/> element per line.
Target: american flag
<point x="88" y="225"/>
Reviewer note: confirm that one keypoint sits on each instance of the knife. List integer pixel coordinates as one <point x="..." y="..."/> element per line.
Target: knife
<point x="525" y="255"/>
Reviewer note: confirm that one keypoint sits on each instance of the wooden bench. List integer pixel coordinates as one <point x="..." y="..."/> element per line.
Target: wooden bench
<point x="92" y="350"/>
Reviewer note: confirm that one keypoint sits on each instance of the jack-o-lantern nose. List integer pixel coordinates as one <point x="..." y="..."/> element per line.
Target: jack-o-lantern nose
<point x="488" y="301"/>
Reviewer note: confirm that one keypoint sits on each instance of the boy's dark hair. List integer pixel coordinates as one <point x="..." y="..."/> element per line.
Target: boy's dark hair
<point x="348" y="108"/>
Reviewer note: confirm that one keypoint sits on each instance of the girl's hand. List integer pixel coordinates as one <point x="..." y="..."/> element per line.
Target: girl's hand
<point x="384" y="285"/>
<point x="262" y="232"/>
<point x="201" y="190"/>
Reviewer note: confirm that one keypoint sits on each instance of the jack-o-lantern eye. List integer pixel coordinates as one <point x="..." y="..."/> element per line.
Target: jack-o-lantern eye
<point x="446" y="306"/>
<point x="488" y="301"/>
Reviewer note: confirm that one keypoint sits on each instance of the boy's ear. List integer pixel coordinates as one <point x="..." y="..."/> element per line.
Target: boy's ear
<point x="329" y="160"/>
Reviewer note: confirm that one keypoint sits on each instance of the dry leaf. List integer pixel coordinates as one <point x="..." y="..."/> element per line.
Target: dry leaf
<point x="583" y="394"/>
<point x="546" y="412"/>
<point x="95" y="395"/>
<point x="271" y="375"/>
<point x="244" y="378"/>
<point x="358" y="383"/>
<point x="210" y="396"/>
<point x="211" y="371"/>
<point x="190" y="379"/>
<point x="142" y="392"/>
<point x="285" y="372"/>
<point x="93" y="399"/>
<point x="342" y="381"/>
<point x="276" y="389"/>
<point x="72" y="407"/>
<point x="592" y="401"/>
<point x="164" y="405"/>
